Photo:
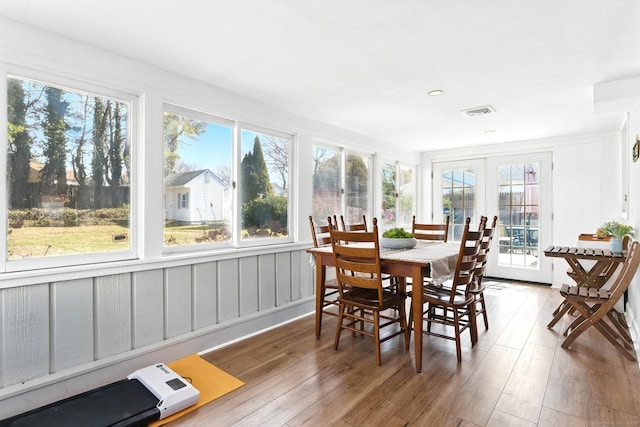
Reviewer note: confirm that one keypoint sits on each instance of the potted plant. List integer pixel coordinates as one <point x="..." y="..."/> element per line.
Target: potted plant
<point x="397" y="238"/>
<point x="617" y="231"/>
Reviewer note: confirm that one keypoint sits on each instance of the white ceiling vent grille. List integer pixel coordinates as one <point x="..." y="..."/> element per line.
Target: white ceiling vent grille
<point x="479" y="111"/>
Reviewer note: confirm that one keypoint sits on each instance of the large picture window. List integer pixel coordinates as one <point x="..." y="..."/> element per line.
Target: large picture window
<point x="69" y="168"/>
<point x="213" y="197"/>
<point x="197" y="178"/>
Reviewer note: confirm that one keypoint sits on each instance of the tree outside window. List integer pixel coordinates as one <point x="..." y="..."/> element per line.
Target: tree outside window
<point x="69" y="171"/>
<point x="264" y="184"/>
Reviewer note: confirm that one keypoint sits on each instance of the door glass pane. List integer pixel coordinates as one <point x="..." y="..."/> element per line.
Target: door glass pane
<point x="458" y="198"/>
<point x="518" y="198"/>
<point x="327" y="167"/>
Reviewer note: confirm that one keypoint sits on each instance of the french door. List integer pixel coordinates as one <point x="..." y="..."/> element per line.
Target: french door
<point x="515" y="188"/>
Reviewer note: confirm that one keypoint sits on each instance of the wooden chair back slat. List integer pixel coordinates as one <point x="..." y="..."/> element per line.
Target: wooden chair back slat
<point x="357" y="259"/>
<point x="467" y="259"/>
<point x="320" y="233"/>
<point x="361" y="226"/>
<point x="430" y="231"/>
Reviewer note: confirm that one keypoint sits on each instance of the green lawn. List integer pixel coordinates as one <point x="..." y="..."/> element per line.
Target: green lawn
<point x="40" y="241"/>
<point x="46" y="241"/>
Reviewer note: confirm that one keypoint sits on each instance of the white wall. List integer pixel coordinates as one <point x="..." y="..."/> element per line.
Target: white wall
<point x="633" y="306"/>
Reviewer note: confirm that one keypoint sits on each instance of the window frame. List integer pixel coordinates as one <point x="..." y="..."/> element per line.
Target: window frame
<point x="398" y="165"/>
<point x="183" y="202"/>
<point x="237" y="214"/>
<point x="174" y="108"/>
<point x="343" y="152"/>
<point x="339" y="151"/>
<point x="134" y="102"/>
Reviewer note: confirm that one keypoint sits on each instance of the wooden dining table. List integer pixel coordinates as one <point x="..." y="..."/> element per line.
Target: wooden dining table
<point x="436" y="260"/>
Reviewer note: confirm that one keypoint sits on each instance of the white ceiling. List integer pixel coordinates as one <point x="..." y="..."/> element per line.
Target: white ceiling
<point x="366" y="65"/>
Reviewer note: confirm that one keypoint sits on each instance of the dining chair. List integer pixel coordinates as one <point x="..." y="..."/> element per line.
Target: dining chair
<point x="362" y="226"/>
<point x="359" y="226"/>
<point x="362" y="298"/>
<point x="430" y="231"/>
<point x="452" y="306"/>
<point x="329" y="288"/>
<point x="596" y="305"/>
<point x="477" y="288"/>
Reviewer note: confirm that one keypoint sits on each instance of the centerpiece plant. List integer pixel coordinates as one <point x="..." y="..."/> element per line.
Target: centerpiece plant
<point x="397" y="233"/>
<point x="617" y="231"/>
<point x="397" y="238"/>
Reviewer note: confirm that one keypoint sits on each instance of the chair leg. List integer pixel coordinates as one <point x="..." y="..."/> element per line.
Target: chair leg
<point x="339" y="327"/>
<point x="473" y="328"/>
<point x="614" y="317"/>
<point x="560" y="311"/>
<point x="402" y="312"/>
<point x="376" y="326"/>
<point x="456" y="326"/>
<point x="410" y="324"/>
<point x="484" y="311"/>
<point x="319" y="310"/>
<point x="585" y="321"/>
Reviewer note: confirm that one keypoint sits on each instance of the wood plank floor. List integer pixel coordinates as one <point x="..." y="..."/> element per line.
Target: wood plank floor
<point x="517" y="375"/>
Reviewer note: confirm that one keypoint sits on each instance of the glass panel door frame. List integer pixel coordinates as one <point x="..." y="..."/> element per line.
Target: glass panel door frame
<point x="487" y="203"/>
<point x="440" y="209"/>
<point x="524" y="218"/>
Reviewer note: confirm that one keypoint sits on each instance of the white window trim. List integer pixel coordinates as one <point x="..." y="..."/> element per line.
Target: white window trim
<point x="133" y="133"/>
<point x="291" y="222"/>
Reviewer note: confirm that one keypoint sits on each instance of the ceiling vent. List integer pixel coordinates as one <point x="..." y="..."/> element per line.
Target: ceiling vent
<point x="479" y="111"/>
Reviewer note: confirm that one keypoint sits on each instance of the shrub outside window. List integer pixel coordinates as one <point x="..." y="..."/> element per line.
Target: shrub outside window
<point x="264" y="184"/>
<point x="69" y="167"/>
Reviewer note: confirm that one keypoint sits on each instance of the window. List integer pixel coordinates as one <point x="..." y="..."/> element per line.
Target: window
<point x="183" y="200"/>
<point x="458" y="198"/>
<point x="406" y="195"/>
<point x="397" y="195"/>
<point x="199" y="172"/>
<point x="69" y="165"/>
<point x="357" y="188"/>
<point x="327" y="183"/>
<point x="337" y="189"/>
<point x="264" y="184"/>
<point x="197" y="178"/>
